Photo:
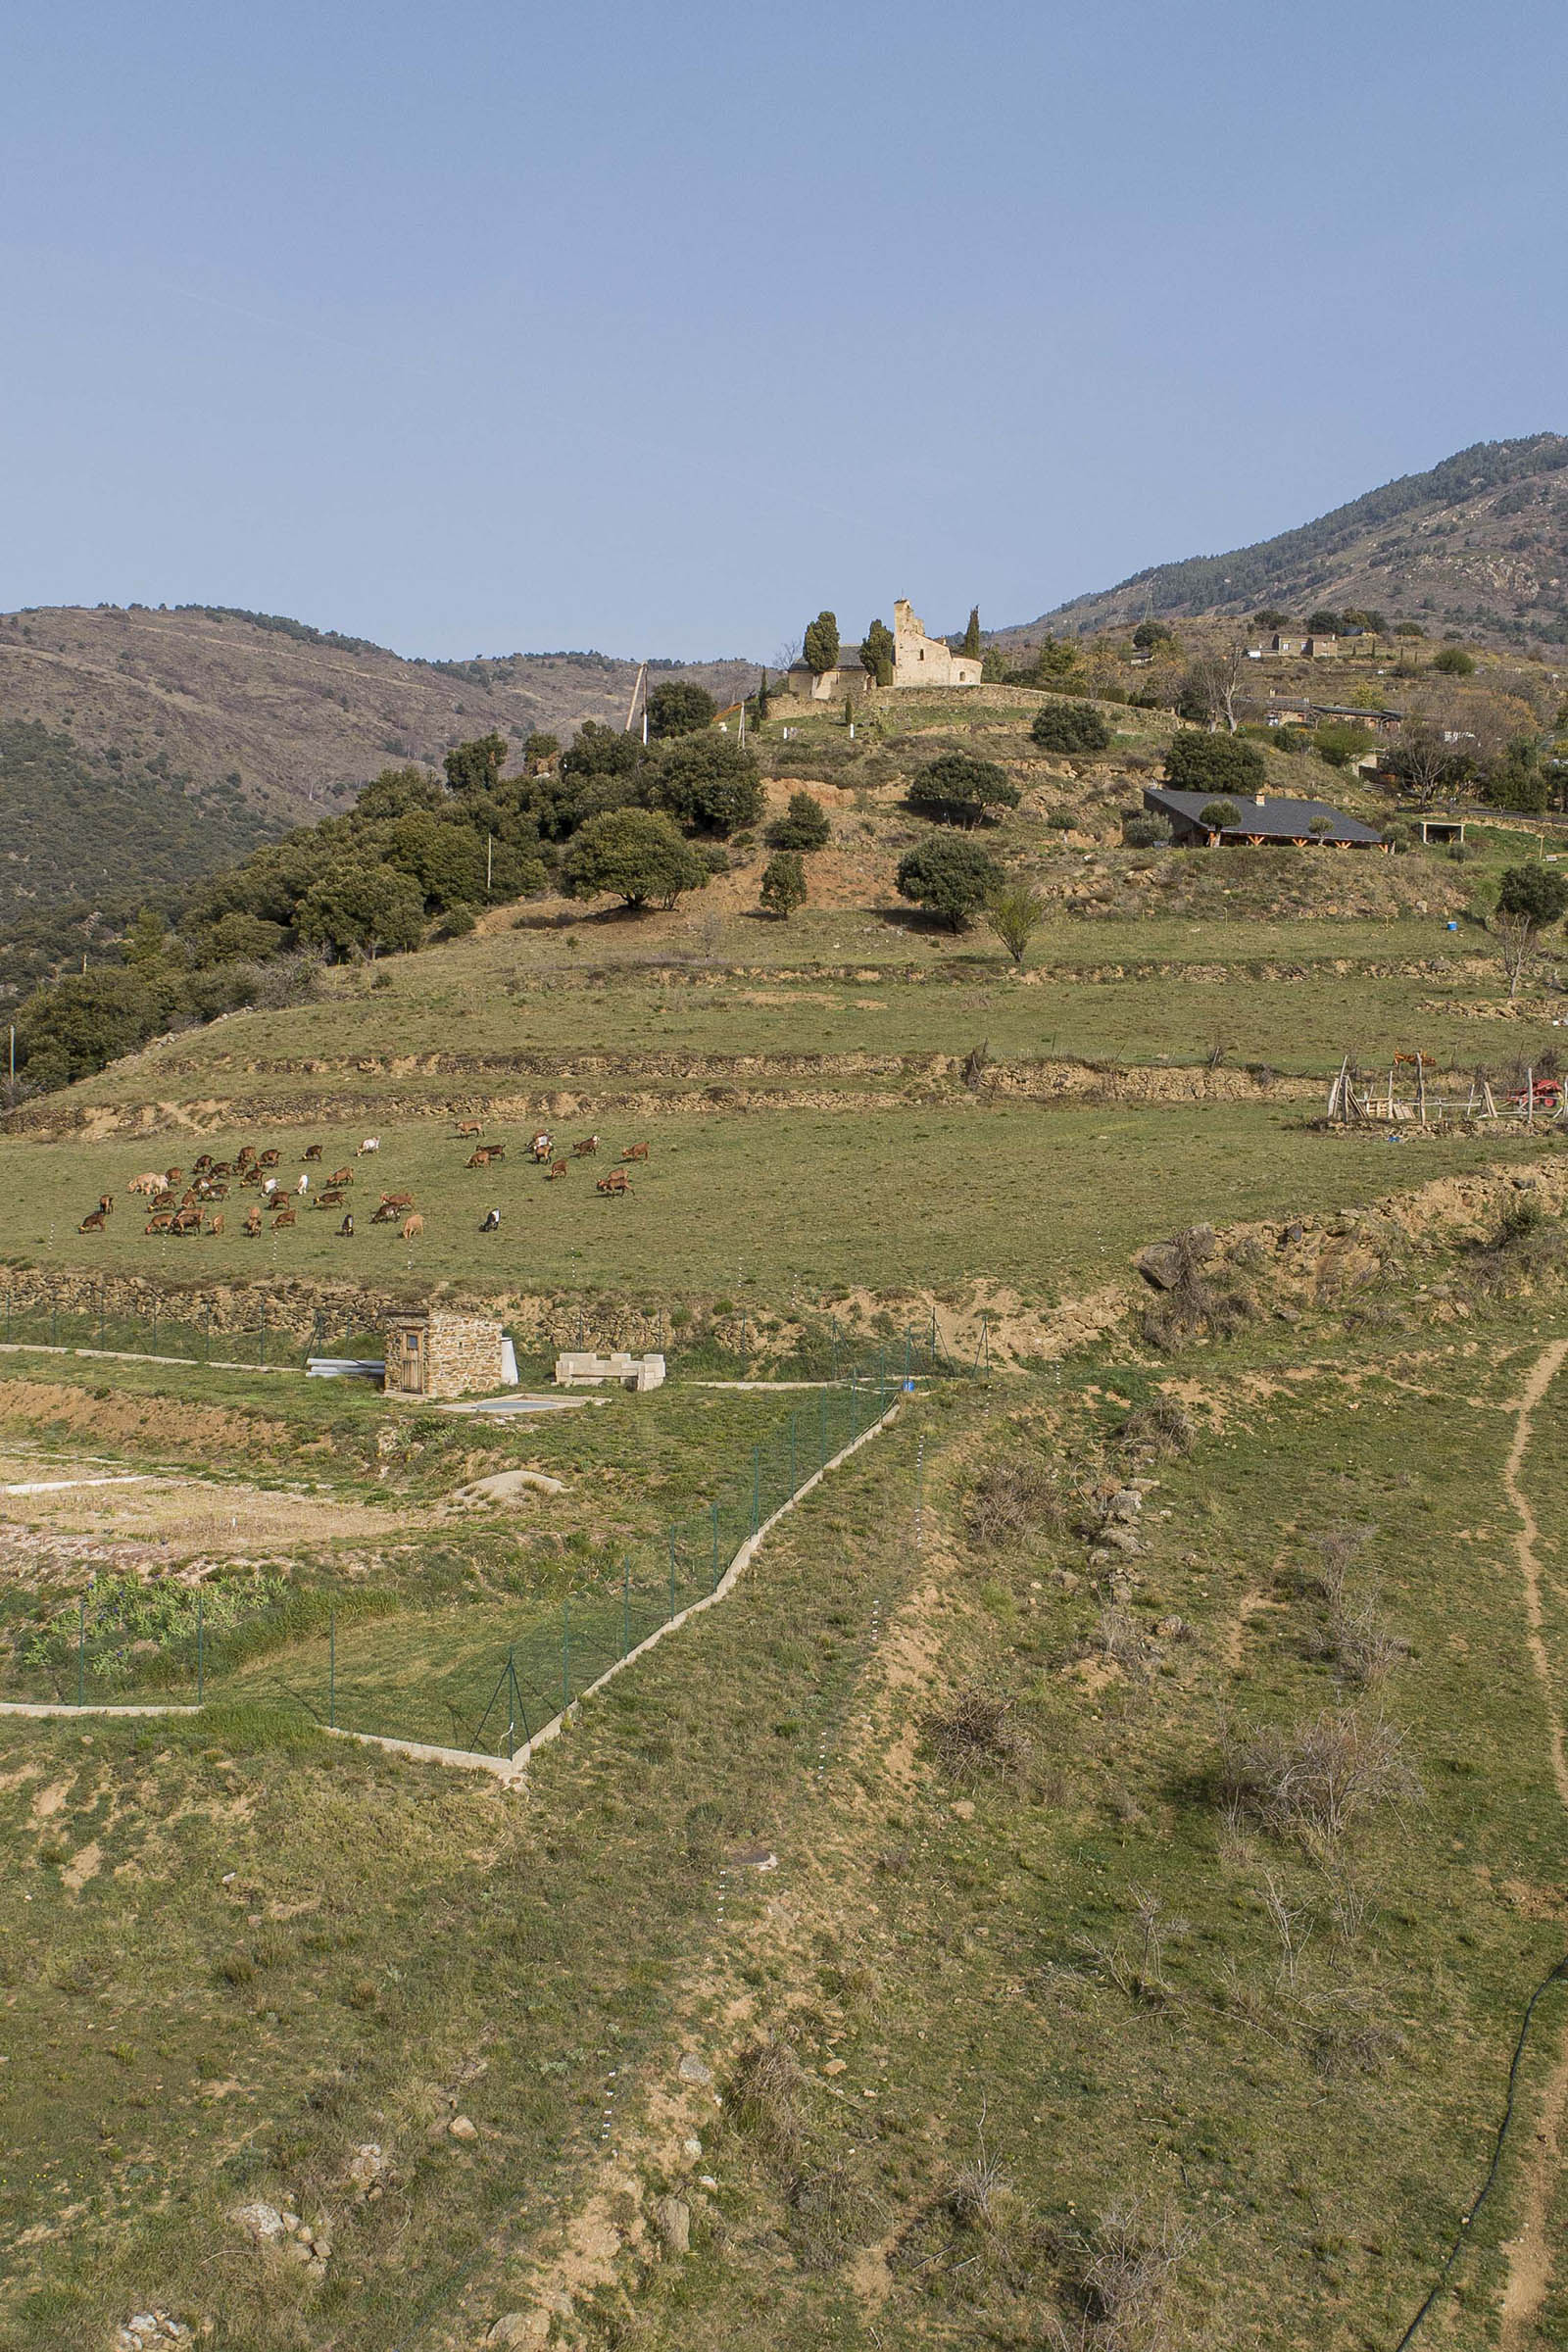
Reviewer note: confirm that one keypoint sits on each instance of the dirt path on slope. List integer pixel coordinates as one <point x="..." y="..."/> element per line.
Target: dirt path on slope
<point x="1530" y="2253"/>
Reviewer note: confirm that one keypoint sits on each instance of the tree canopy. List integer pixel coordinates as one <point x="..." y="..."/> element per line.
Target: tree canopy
<point x="877" y="651"/>
<point x="970" y="646"/>
<point x="475" y="767"/>
<point x="1198" y="761"/>
<point x="709" y="781"/>
<point x="821" y="644"/>
<point x="633" y="854"/>
<point x="1064" y="726"/>
<point x="804" y="826"/>
<point x="783" y="887"/>
<point x="950" y="879"/>
<point x="678" y="708"/>
<point x="959" y="789"/>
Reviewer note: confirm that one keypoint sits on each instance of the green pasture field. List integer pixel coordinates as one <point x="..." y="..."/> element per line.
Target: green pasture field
<point x="235" y="1952"/>
<point x="787" y="1203"/>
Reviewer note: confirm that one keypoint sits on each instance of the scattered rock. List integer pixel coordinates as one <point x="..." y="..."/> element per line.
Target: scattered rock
<point x="146" y="2331"/>
<point x="461" y="2129"/>
<point x="367" y="2167"/>
<point x="693" y="2147"/>
<point x="692" y="2069"/>
<point x="835" y="2066"/>
<point x="672" y="2218"/>
<point x="516" y="2328"/>
<point x="1120" y="1539"/>
<point x="261" y="2224"/>
<point x="1125" y="1503"/>
<point x="1171" y="1628"/>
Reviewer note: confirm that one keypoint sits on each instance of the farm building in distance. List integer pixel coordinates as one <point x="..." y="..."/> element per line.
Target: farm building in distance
<point x="1299" y="824"/>
<point x="917" y="661"/>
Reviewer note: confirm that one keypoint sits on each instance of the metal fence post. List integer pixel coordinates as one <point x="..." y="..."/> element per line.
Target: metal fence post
<point x="201" y="1646"/>
<point x="672" y="1572"/>
<point x="854" y="1402"/>
<point x="81" y="1655"/>
<point x="714" y="1509"/>
<point x="511" y="1703"/>
<point x="822" y="1435"/>
<point x="565" y="1651"/>
<point x="331" y="1667"/>
<point x="626" y="1606"/>
<point x="794" y="1417"/>
<point x="756" y="1486"/>
<point x="919" y="1488"/>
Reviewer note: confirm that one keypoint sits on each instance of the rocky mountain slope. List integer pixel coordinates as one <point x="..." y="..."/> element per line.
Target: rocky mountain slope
<point x="1477" y="547"/>
<point x="291" y="718"/>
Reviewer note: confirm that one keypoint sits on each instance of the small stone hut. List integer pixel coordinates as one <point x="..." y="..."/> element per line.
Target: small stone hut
<point x="431" y="1352"/>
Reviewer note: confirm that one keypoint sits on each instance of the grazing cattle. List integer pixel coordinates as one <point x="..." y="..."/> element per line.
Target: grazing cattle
<point x="201" y="1163"/>
<point x="252" y="1220"/>
<point x="222" y="1168"/>
<point x="150" y="1185"/>
<point x="165" y="1200"/>
<point x="216" y="1225"/>
<point x="270" y="1186"/>
<point x="412" y="1227"/>
<point x="635" y="1151"/>
<point x="106" y="1204"/>
<point x="372" y="1143"/>
<point x="469" y="1129"/>
<point x="93" y="1222"/>
<point x="272" y="1159"/>
<point x="617" y="1181"/>
<point x="386" y="1214"/>
<point x="188" y="1197"/>
<point x="585" y="1147"/>
<point x="174" y="1175"/>
<point x="329" y="1199"/>
<point x="492" y="1221"/>
<point x="162" y="1222"/>
<point x="284" y="1216"/>
<point x="397" y="1200"/>
<point x="477" y="1160"/>
<point x="186" y="1221"/>
<point x="543" y="1146"/>
<point x="341" y="1176"/>
<point x="313" y="1150"/>
<point x="302" y="1187"/>
<point x="558" y="1169"/>
<point x="344" y="1232"/>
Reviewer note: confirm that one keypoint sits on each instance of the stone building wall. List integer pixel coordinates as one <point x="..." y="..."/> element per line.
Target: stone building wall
<point x="462" y="1353"/>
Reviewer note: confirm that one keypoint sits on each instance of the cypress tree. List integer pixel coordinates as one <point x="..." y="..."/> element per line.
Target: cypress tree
<point x="971" y="635"/>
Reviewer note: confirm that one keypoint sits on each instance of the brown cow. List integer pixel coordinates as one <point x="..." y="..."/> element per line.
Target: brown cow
<point x="558" y="1169"/>
<point x="93" y="1222"/>
<point x="341" y="1176"/>
<point x="284" y="1216"/>
<point x="272" y="1159"/>
<point x="617" y="1181"/>
<point x="252" y="1220"/>
<point x="160" y="1223"/>
<point x="329" y="1199"/>
<point x="397" y="1200"/>
<point x="469" y="1129"/>
<point x="313" y="1151"/>
<point x="585" y="1147"/>
<point x="216" y="1225"/>
<point x="106" y="1204"/>
<point x="635" y="1151"/>
<point x="201" y="1166"/>
<point x="174" y="1175"/>
<point x="344" y="1232"/>
<point x="412" y="1227"/>
<point x="477" y="1160"/>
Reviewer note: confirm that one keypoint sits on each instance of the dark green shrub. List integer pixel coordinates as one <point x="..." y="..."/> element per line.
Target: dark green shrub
<point x="959" y="789"/>
<point x="1201" y="763"/>
<point x="950" y="879"/>
<point x="804" y="825"/>
<point x="634" y="854"/>
<point x="1070" y="727"/>
<point x="678" y="708"/>
<point x="1145" y="832"/>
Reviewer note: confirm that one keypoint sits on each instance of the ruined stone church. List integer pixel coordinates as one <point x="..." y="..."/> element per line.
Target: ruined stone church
<point x="917" y="661"/>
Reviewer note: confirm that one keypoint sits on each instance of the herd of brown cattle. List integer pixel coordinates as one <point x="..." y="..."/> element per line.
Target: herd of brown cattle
<point x="189" y="1212"/>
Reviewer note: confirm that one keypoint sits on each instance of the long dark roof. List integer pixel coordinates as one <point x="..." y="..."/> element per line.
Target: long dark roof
<point x="1278" y="818"/>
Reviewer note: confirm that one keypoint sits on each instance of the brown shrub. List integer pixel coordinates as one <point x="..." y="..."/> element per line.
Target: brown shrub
<point x="1121" y="2282"/>
<point x="1316" y="1779"/>
<point x="1010" y="1501"/>
<point x="764" y="2097"/>
<point x="1160" y="1427"/>
<point x="975" y="1735"/>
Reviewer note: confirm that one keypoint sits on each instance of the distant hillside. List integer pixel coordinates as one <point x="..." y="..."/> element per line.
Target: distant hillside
<point x="291" y="718"/>
<point x="1478" y="546"/>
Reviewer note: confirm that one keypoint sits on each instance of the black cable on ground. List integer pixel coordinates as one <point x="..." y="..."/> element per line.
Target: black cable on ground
<point x="1554" y="1976"/>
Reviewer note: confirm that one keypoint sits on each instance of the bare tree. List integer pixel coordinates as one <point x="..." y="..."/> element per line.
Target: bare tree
<point x="1212" y="686"/>
<point x="1425" y="759"/>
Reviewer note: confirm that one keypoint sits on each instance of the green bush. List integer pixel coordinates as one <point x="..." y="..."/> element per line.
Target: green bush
<point x="1340" y="741"/>
<point x="678" y="708"/>
<point x="783" y="886"/>
<point x="951" y="880"/>
<point x="709" y="781"/>
<point x="1200" y="762"/>
<point x="804" y="826"/>
<point x="633" y="854"/>
<point x="1146" y="831"/>
<point x="362" y="909"/>
<point x="1455" y="662"/>
<point x="959" y="789"/>
<point x="1070" y="727"/>
<point x="1218" y="814"/>
<point x="821" y="646"/>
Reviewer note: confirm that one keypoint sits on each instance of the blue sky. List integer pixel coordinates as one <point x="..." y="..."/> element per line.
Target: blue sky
<point x="492" y="326"/>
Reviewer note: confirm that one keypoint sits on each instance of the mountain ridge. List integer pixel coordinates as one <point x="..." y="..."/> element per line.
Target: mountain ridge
<point x="1392" y="549"/>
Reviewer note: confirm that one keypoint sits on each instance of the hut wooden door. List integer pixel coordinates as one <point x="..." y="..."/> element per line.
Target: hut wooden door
<point x="411" y="1363"/>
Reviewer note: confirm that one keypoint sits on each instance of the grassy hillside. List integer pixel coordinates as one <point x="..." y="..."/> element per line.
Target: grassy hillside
<point x="1478" y="544"/>
<point x="296" y="717"/>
